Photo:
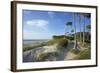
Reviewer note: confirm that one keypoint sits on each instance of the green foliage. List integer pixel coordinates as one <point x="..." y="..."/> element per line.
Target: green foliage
<point x="69" y="24"/>
<point x="72" y="30"/>
<point x="81" y="54"/>
<point x="70" y="37"/>
<point x="87" y="41"/>
<point x="63" y="36"/>
<point x="63" y="42"/>
<point x="51" y="42"/>
<point x="75" y="51"/>
<point x="58" y="37"/>
<point x="87" y="36"/>
<point x="88" y="15"/>
<point x="86" y="54"/>
<point x="88" y="27"/>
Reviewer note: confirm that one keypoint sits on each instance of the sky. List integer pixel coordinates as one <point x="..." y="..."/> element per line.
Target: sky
<point x="45" y="24"/>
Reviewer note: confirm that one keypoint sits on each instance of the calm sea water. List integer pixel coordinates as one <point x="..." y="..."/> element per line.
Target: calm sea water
<point x="29" y="42"/>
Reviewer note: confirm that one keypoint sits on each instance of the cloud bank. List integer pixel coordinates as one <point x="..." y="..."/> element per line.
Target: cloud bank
<point x="37" y="23"/>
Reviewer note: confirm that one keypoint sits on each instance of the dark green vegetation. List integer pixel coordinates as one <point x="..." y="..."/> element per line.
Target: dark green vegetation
<point x="63" y="36"/>
<point x="87" y="37"/>
<point x="86" y="54"/>
<point x="60" y="41"/>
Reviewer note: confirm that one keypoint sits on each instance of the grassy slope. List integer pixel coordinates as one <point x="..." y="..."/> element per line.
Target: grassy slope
<point x="84" y="54"/>
<point x="62" y="42"/>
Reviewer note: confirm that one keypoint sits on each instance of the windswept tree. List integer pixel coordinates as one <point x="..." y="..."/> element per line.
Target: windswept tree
<point x="72" y="30"/>
<point x="85" y="15"/>
<point x="68" y="24"/>
<point x="88" y="27"/>
<point x="80" y="27"/>
<point x="83" y="29"/>
<point x="75" y="38"/>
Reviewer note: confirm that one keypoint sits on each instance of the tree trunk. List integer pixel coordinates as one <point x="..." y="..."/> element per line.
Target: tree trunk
<point x="80" y="27"/>
<point x="65" y="32"/>
<point x="84" y="31"/>
<point x="75" y="42"/>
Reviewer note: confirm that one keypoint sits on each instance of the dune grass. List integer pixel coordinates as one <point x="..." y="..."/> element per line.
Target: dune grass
<point x="75" y="51"/>
<point x="61" y="41"/>
<point x="86" y="54"/>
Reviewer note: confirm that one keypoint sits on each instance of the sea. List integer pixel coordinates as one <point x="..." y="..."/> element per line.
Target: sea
<point x="34" y="42"/>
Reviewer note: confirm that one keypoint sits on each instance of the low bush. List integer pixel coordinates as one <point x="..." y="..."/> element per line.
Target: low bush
<point x="63" y="42"/>
<point x="51" y="42"/>
<point x="63" y="36"/>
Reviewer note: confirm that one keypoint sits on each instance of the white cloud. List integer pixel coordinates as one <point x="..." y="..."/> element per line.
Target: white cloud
<point x="37" y="23"/>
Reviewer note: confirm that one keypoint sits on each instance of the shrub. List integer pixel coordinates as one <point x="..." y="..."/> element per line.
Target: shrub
<point x="62" y="42"/>
<point x="58" y="37"/>
<point x="63" y="36"/>
<point x="51" y="42"/>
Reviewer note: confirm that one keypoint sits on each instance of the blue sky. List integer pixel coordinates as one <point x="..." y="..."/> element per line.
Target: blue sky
<point x="45" y="24"/>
